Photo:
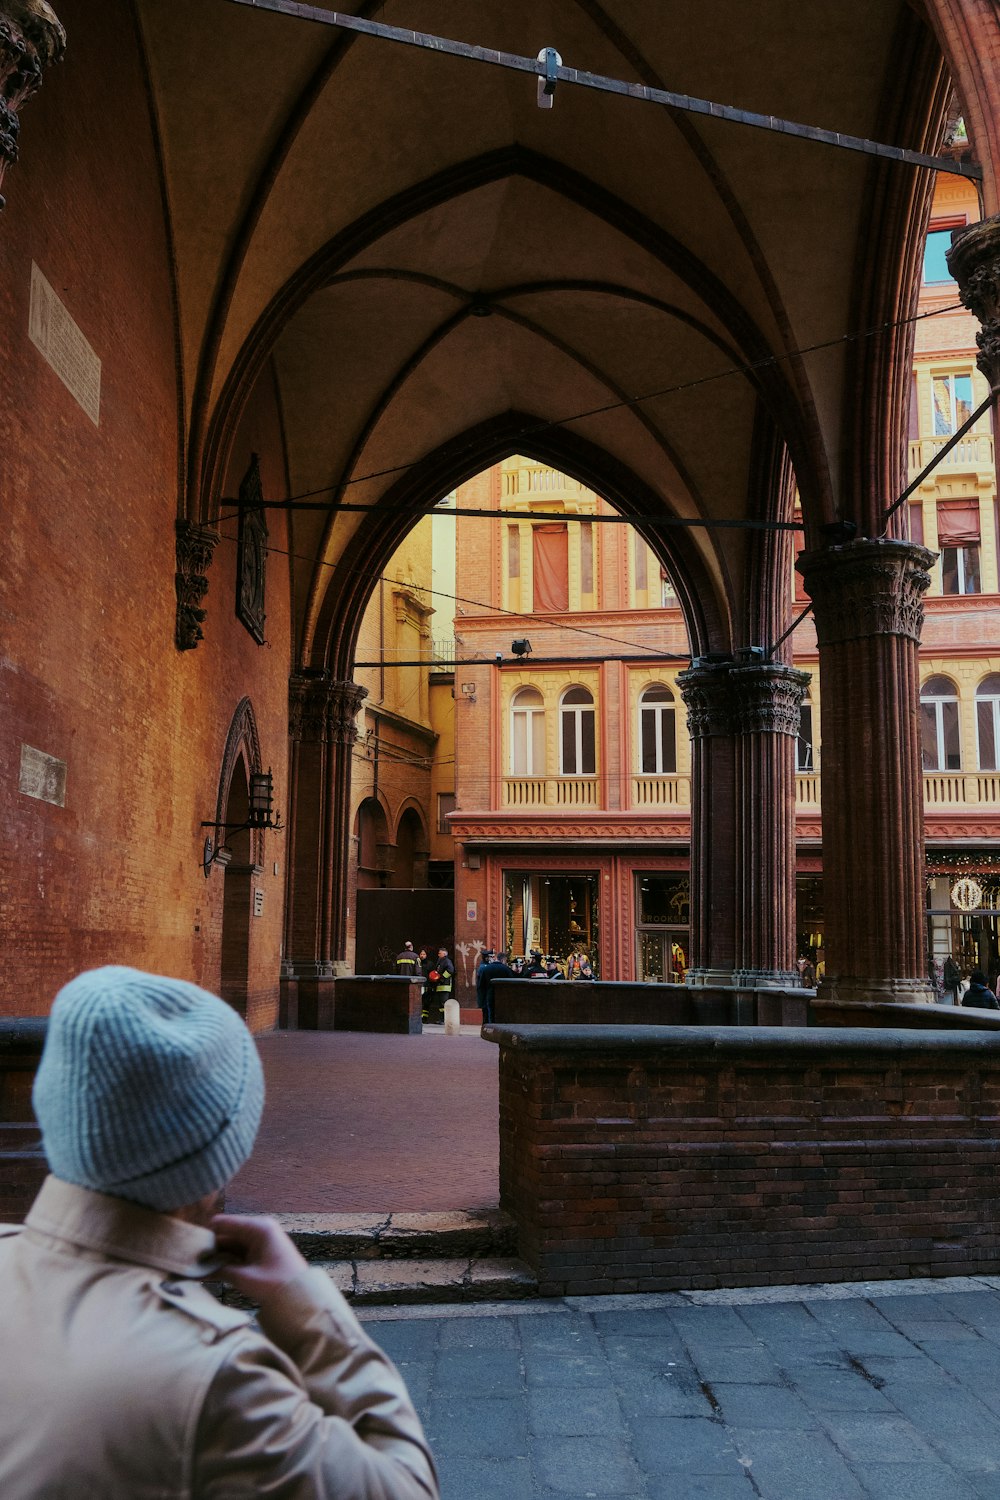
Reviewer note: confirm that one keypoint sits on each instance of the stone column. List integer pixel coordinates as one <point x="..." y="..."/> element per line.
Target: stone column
<point x="706" y="690"/>
<point x="322" y="733"/>
<point x="743" y="716"/>
<point x="31" y="39"/>
<point x="974" y="261"/>
<point x="766" y="711"/>
<point x="868" y="603"/>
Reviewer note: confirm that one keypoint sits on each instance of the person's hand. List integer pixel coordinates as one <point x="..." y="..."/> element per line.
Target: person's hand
<point x="260" y="1257"/>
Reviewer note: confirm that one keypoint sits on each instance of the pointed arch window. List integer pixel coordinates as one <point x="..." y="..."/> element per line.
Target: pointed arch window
<point x="527" y="733"/>
<point x="657" y="731"/>
<point x="988" y="722"/>
<point x="578" y="739"/>
<point x="940" y="740"/>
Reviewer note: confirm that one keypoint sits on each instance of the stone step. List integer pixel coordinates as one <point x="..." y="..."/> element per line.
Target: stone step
<point x="397" y="1282"/>
<point x="467" y="1234"/>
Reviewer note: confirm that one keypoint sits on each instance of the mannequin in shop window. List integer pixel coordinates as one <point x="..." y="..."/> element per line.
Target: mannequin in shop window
<point x="678" y="963"/>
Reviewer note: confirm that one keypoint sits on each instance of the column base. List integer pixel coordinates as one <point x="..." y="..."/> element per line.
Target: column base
<point x="709" y="978"/>
<point x="898" y="991"/>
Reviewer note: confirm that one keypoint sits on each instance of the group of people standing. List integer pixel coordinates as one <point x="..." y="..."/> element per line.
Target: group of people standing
<point x="950" y="986"/>
<point x="437" y="974"/>
<point x="493" y="966"/>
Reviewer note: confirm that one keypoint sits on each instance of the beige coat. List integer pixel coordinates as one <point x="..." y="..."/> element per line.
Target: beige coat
<point x="121" y="1378"/>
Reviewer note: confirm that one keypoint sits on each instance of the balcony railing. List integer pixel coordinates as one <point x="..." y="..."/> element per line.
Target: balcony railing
<point x="551" y="791"/>
<point x="961" y="789"/>
<point x="661" y="791"/>
<point x="941" y="789"/>
<point x="807" y="789"/>
<point x="974" y="452"/>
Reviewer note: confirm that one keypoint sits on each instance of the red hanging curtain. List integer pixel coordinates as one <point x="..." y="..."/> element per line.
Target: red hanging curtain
<point x="550" y="552"/>
<point x="958" y="523"/>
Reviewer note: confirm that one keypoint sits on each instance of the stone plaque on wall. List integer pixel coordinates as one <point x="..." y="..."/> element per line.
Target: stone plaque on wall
<point x="62" y="345"/>
<point x="42" y="776"/>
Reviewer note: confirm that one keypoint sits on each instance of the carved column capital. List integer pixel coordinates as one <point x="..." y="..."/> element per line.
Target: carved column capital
<point x="195" y="546"/>
<point x="768" y="698"/>
<point x="708" y="697"/>
<point x="974" y="261"/>
<point x="31" y="39"/>
<point x="323" y="711"/>
<point x="867" y="588"/>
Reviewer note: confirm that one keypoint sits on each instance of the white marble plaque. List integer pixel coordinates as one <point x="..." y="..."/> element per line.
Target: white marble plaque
<point x="43" y="776"/>
<point x="58" y="339"/>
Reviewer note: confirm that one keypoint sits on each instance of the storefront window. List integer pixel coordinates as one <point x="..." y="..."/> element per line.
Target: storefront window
<point x="663" y="916"/>
<point x="557" y="914"/>
<point x="970" y="936"/>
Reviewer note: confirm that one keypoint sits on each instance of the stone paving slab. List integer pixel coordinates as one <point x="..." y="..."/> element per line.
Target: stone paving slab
<point x="662" y="1397"/>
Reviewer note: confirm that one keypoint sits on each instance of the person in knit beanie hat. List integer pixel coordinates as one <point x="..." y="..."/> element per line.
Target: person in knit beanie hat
<point x="122" y="1375"/>
<point x="149" y="1088"/>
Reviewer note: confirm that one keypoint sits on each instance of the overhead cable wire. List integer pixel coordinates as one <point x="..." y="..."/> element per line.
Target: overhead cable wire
<point x="534" y="428"/>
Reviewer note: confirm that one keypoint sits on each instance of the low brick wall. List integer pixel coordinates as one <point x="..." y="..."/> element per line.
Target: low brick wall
<point x="22" y="1163"/>
<point x="886" y="1013"/>
<point x="664" y="1158"/>
<point x="379" y="1002"/>
<point x="529" y="1002"/>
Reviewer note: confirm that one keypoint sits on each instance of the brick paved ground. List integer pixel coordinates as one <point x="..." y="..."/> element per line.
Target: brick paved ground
<point x="829" y="1394"/>
<point x="374" y="1123"/>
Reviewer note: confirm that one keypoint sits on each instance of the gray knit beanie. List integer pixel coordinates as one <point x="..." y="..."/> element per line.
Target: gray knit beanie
<point x="149" y="1088"/>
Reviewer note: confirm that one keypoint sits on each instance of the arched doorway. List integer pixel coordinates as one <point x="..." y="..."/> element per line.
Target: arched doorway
<point x="237" y="896"/>
<point x="410" y="867"/>
<point x="373" y="846"/>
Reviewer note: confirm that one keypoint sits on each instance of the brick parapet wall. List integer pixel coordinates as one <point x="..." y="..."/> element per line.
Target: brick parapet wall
<point x="663" y="1158"/>
<point x="612" y="1002"/>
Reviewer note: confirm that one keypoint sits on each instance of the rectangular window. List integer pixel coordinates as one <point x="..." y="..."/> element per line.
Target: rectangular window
<point x="570" y="767"/>
<point x="513" y="552"/>
<point x="586" y="557"/>
<point x="640" y="564"/>
<point x="446" y="805"/>
<point x="550" y="555"/>
<point x="952" y="403"/>
<point x="804" y="760"/>
<point x="914" y="431"/>
<point x="960" y="570"/>
<point x="935" y="264"/>
<point x="986" y="714"/>
<point x="916" y="515"/>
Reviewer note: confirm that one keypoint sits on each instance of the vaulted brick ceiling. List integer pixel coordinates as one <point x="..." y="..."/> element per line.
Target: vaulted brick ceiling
<point x="352" y="208"/>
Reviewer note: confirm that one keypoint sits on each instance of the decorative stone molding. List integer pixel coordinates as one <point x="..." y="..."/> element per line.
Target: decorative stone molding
<point x="322" y="711"/>
<point x="867" y="588"/>
<point x="768" y="699"/>
<point x="729" y="696"/>
<point x="974" y="261"/>
<point x="32" y="38"/>
<point x="707" y="692"/>
<point x="195" y="547"/>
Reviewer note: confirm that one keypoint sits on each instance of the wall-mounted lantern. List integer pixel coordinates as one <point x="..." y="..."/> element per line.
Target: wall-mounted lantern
<point x="260" y="815"/>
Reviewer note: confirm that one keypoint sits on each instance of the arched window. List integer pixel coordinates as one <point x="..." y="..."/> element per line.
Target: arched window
<point x="805" y="755"/>
<point x="527" y="733"/>
<point x="578" y="754"/>
<point x="657" y="732"/>
<point x="939" y="734"/>
<point x="988" y="722"/>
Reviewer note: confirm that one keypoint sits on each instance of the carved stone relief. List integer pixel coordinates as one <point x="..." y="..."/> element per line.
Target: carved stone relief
<point x="32" y="38"/>
<point x="974" y="261"/>
<point x="195" y="547"/>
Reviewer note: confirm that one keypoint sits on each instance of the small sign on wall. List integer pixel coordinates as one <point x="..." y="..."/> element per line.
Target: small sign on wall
<point x="472" y="911"/>
<point x="258" y="902"/>
<point x="42" y="776"/>
<point x="62" y="345"/>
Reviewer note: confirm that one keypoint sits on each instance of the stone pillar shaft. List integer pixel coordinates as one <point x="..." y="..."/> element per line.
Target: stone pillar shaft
<point x="743" y="718"/>
<point x="868" y="603"/>
<point x="321" y="727"/>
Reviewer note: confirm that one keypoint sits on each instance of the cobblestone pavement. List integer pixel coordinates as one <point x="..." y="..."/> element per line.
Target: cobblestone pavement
<point x="360" y="1122"/>
<point x="889" y="1391"/>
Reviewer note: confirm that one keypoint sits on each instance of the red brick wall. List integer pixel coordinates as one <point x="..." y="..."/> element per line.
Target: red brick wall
<point x="89" y="672"/>
<point x="735" y="1158"/>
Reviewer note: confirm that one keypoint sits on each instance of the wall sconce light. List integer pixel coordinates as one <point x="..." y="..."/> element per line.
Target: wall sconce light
<point x="260" y="815"/>
<point x="469" y="691"/>
<point x="521" y="647"/>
